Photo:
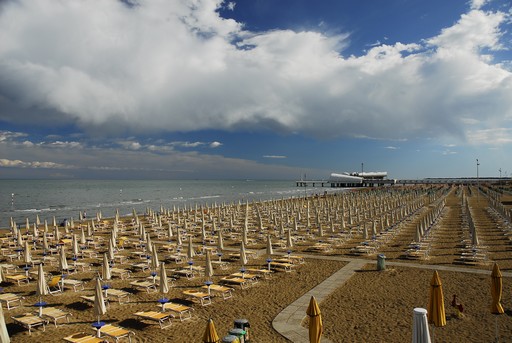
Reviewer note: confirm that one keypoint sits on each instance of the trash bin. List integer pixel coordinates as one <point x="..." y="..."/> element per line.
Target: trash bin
<point x="230" y="339"/>
<point x="239" y="333"/>
<point x="244" y="325"/>
<point x="381" y="262"/>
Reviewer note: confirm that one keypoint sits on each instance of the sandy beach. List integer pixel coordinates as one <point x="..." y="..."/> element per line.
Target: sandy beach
<point x="372" y="306"/>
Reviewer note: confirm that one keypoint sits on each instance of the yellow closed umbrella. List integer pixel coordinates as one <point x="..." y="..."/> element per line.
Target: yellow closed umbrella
<point x="210" y="334"/>
<point x="315" y="321"/>
<point x="496" y="290"/>
<point x="435" y="309"/>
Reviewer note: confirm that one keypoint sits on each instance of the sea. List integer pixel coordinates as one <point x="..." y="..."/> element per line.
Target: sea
<point x="65" y="199"/>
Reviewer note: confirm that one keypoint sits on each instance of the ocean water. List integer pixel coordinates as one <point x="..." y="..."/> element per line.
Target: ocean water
<point x="21" y="199"/>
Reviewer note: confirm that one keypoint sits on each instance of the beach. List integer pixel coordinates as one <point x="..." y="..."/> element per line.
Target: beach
<point x="326" y="233"/>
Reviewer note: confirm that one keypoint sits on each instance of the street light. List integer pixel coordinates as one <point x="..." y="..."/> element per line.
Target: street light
<point x="477" y="182"/>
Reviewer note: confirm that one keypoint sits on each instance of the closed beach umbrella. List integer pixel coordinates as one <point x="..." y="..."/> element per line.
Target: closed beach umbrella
<point x="20" y="239"/>
<point x="190" y="251"/>
<point x="4" y="335"/>
<point x="496" y="290"/>
<point x="289" y="241"/>
<point x="75" y="245"/>
<point x="45" y="243"/>
<point x="35" y="231"/>
<point x="63" y="263"/>
<point x="41" y="288"/>
<point x="149" y="245"/>
<point x="315" y="321"/>
<point x="169" y="231"/>
<point x="243" y="255"/>
<point x="2" y="277"/>
<point x="99" y="302"/>
<point x="105" y="269"/>
<point x="82" y="236"/>
<point x="110" y="251"/>
<point x="178" y="238"/>
<point x="56" y="233"/>
<point x="154" y="259"/>
<point x="27" y="257"/>
<point x="210" y="334"/>
<point x="269" y="246"/>
<point x="164" y="285"/>
<point x="435" y="310"/>
<point x="420" y="332"/>
<point x="208" y="270"/>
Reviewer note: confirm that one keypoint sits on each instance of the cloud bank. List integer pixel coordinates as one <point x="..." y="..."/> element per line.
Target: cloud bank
<point x="178" y="66"/>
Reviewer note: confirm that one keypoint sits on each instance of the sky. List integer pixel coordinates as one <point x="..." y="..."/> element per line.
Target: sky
<point x="260" y="89"/>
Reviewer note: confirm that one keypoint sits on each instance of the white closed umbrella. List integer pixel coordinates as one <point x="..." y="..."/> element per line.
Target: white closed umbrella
<point x="270" y="251"/>
<point x="208" y="271"/>
<point x="41" y="288"/>
<point x="74" y="245"/>
<point x="164" y="285"/>
<point x="82" y="236"/>
<point x="169" y="231"/>
<point x="154" y="259"/>
<point x="243" y="255"/>
<point x="63" y="262"/>
<point x="27" y="257"/>
<point x="178" y="238"/>
<point x="56" y="233"/>
<point x="289" y="241"/>
<point x="45" y="243"/>
<point x="190" y="251"/>
<point x="4" y="335"/>
<point x="420" y="333"/>
<point x="110" y="251"/>
<point x="105" y="269"/>
<point x="149" y="245"/>
<point x="99" y="302"/>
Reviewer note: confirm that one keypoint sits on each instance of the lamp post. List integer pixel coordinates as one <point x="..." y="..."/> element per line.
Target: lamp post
<point x="477" y="181"/>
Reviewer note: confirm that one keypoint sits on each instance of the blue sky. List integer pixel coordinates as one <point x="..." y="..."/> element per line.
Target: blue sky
<point x="254" y="89"/>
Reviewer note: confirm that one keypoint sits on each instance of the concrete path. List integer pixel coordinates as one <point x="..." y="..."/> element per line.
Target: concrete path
<point x="288" y="322"/>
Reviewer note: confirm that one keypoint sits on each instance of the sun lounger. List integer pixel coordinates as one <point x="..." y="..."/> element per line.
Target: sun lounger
<point x="120" y="295"/>
<point x="76" y="284"/>
<point x="116" y="332"/>
<point x="145" y="285"/>
<point x="189" y="274"/>
<point x="267" y="274"/>
<point x="248" y="276"/>
<point x="90" y="299"/>
<point x="287" y="267"/>
<point x="52" y="313"/>
<point x="243" y="283"/>
<point x="204" y="298"/>
<point x="9" y="268"/>
<point x="18" y="278"/>
<point x="55" y="285"/>
<point x="183" y="311"/>
<point x="222" y="264"/>
<point x="226" y="292"/>
<point x="142" y="266"/>
<point x="28" y="320"/>
<point x="82" y="337"/>
<point x="10" y="298"/>
<point x="159" y="317"/>
<point x="122" y="273"/>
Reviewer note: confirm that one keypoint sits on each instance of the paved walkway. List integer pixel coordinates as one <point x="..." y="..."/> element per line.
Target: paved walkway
<point x="288" y="322"/>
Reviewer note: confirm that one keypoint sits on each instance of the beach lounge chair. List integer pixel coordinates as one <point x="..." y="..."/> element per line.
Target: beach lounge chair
<point x="287" y="267"/>
<point x="141" y="266"/>
<point x="55" y="285"/>
<point x="18" y="278"/>
<point x="90" y="299"/>
<point x="122" y="273"/>
<point x="226" y="292"/>
<point x="82" y="337"/>
<point x="52" y="313"/>
<point x="10" y="298"/>
<point x="116" y="332"/>
<point x="77" y="285"/>
<point x="204" y="298"/>
<point x="145" y="285"/>
<point x="28" y="320"/>
<point x="159" y="317"/>
<point x="243" y="283"/>
<point x="183" y="311"/>
<point x="122" y="297"/>
<point x="189" y="274"/>
<point x="9" y="268"/>
<point x="264" y="272"/>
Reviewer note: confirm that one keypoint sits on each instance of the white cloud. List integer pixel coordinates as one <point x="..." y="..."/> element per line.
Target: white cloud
<point x="274" y="156"/>
<point x="215" y="144"/>
<point x="496" y="136"/>
<point x="35" y="164"/>
<point x="124" y="72"/>
<point x="390" y="147"/>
